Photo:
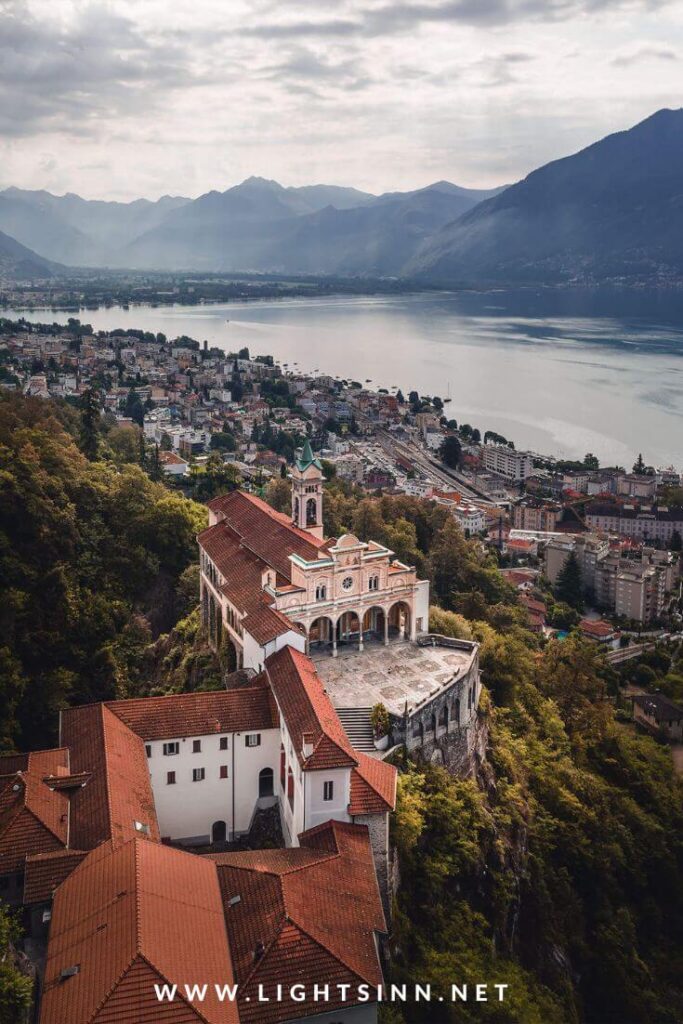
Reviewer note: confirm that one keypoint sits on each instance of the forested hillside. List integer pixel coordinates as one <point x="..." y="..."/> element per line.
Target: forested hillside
<point x="92" y="561"/>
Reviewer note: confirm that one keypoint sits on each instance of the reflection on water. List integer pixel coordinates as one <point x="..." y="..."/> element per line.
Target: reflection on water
<point x="560" y="373"/>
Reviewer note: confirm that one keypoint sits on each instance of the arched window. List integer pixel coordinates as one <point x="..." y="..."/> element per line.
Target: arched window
<point x="321" y="592"/>
<point x="432" y="723"/>
<point x="456" y="713"/>
<point x="218" y="832"/>
<point x="311" y="512"/>
<point x="296" y="509"/>
<point x="443" y="717"/>
<point x="290" y="788"/>
<point x="265" y="782"/>
<point x="373" y="583"/>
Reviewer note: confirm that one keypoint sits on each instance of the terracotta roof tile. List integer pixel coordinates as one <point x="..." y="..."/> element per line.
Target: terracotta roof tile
<point x="373" y="786"/>
<point x="311" y="912"/>
<point x="119" y="792"/>
<point x="306" y="708"/>
<point x="33" y="817"/>
<point x="270" y="535"/>
<point x="46" y="871"/>
<point x="124" y="917"/>
<point x="198" y="714"/>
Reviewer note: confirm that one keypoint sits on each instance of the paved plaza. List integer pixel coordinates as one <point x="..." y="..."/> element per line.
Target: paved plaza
<point x="393" y="675"/>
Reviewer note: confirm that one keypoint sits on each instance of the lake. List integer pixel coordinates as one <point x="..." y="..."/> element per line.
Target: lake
<point x="555" y="375"/>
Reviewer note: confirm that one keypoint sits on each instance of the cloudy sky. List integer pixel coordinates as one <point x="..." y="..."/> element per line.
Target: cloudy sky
<point x="132" y="98"/>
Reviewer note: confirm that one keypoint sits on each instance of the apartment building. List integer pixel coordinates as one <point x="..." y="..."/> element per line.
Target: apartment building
<point x="507" y="462"/>
<point x="533" y="514"/>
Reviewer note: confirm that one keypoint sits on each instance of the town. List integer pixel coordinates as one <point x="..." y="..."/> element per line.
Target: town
<point x="210" y="421"/>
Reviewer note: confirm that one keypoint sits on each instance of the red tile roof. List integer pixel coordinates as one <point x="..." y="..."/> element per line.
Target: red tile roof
<point x="198" y="714"/>
<point x="119" y="792"/>
<point x="129" y="916"/>
<point x="33" y="817"/>
<point x="597" y="628"/>
<point x="373" y="786"/>
<point x="306" y="708"/>
<point x="268" y="534"/>
<point x="312" y="914"/>
<point x="46" y="871"/>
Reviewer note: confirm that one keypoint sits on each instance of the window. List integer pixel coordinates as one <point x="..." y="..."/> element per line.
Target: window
<point x="170" y="778"/>
<point x="321" y="592"/>
<point x="196" y="746"/>
<point x="347" y="583"/>
<point x="328" y="790"/>
<point x="148" y="750"/>
<point x="223" y="743"/>
<point x="171" y="748"/>
<point x="252" y="739"/>
<point x="223" y="771"/>
<point x="198" y="774"/>
<point x="373" y="583"/>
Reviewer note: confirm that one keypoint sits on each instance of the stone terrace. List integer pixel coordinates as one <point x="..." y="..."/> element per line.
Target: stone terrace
<point x="389" y="675"/>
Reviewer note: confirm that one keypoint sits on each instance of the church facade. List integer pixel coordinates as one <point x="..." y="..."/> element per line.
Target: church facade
<point x="269" y="581"/>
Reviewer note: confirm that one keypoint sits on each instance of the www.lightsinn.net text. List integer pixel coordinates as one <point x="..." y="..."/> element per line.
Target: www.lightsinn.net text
<point x="322" y="993"/>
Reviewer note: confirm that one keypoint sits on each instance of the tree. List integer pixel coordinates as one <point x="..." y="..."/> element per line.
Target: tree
<point x="451" y="451"/>
<point x="156" y="470"/>
<point x="399" y="397"/>
<point x="16" y="988"/>
<point x="591" y="461"/>
<point x="90" y="423"/>
<point x="569" y="585"/>
<point x="639" y="465"/>
<point x="476" y="436"/>
<point x="676" y="543"/>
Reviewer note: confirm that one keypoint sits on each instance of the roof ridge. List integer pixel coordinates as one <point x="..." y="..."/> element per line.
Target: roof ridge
<point x="258" y="963"/>
<point x="335" y="956"/>
<point x="150" y="963"/>
<point x="93" y="1017"/>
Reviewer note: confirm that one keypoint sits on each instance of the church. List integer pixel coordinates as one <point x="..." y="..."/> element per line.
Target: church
<point x="269" y="581"/>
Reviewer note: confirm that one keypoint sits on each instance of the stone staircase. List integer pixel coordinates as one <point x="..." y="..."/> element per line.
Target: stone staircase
<point x="356" y="722"/>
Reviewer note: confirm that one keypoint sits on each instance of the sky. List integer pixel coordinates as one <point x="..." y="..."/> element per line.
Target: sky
<point x="130" y="98"/>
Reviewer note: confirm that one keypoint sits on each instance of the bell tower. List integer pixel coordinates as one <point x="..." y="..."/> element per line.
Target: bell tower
<point x="307" y="492"/>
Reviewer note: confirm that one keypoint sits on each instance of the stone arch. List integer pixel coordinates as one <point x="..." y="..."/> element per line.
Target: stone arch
<point x="400" y="621"/>
<point x="219" y="832"/>
<point x="348" y="627"/>
<point x="432" y="723"/>
<point x="311" y="512"/>
<point x="265" y="783"/>
<point x="374" y="622"/>
<point x="456" y="712"/>
<point x="321" y="632"/>
<point x="443" y="717"/>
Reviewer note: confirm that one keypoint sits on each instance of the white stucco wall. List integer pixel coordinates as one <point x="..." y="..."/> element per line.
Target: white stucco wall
<point x="319" y="810"/>
<point x="187" y="810"/>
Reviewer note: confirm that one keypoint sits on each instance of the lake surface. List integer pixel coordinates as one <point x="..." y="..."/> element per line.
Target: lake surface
<point x="554" y="376"/>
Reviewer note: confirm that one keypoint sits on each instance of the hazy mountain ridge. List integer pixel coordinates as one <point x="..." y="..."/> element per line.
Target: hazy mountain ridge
<point x="256" y="225"/>
<point x="18" y="263"/>
<point x="613" y="209"/>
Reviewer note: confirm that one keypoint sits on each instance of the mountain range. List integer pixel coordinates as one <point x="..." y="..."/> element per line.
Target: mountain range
<point x="613" y="210"/>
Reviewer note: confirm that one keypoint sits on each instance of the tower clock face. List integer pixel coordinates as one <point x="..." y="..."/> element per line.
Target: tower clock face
<point x="347" y="582"/>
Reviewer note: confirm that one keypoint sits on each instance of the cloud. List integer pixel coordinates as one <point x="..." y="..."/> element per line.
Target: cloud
<point x="65" y="73"/>
<point x="401" y="16"/>
<point x="645" y="53"/>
